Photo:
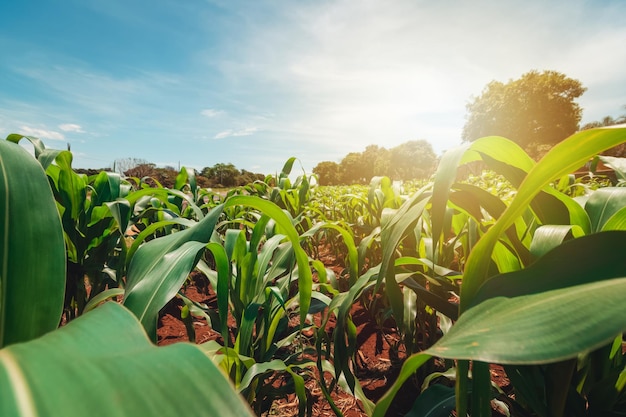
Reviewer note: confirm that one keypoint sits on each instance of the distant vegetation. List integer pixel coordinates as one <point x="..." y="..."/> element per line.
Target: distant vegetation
<point x="410" y="160"/>
<point x="218" y="176"/>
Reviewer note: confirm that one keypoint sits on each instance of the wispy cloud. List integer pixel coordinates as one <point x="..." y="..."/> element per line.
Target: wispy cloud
<point x="71" y="127"/>
<point x="41" y="133"/>
<point x="241" y="132"/>
<point x="211" y="113"/>
<point x="387" y="73"/>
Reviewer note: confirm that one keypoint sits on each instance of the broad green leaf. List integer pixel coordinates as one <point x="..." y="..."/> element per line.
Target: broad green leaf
<point x="587" y="259"/>
<point x="102" y="364"/>
<point x="617" y="164"/>
<point x="32" y="250"/>
<point x="158" y="269"/>
<point x="444" y="178"/>
<point x="549" y="237"/>
<point x="604" y="203"/>
<point x="617" y="221"/>
<point x="37" y="143"/>
<point x="436" y="401"/>
<point x="540" y="325"/>
<point x="391" y="235"/>
<point x="72" y="188"/>
<point x="222" y="268"/>
<point x="120" y="210"/>
<point x="288" y="166"/>
<point x="151" y="253"/>
<point x="139" y="239"/>
<point x="102" y="297"/>
<point x="160" y="283"/>
<point x="106" y="187"/>
<point x="562" y="159"/>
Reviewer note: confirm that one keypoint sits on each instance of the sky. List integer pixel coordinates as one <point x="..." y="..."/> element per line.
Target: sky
<point x="200" y="82"/>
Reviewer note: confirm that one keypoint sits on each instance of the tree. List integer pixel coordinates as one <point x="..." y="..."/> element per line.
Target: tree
<point x="247" y="177"/>
<point x="141" y="170"/>
<point x="328" y="173"/>
<point x="222" y="174"/>
<point x="352" y="169"/>
<point x="537" y="109"/>
<point x="360" y="167"/>
<point x="412" y="160"/>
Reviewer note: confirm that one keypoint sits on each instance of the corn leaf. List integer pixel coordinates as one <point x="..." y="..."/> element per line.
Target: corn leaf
<point x="158" y="269"/>
<point x="604" y="203"/>
<point x="305" y="277"/>
<point x="55" y="374"/>
<point x="579" y="261"/>
<point x="562" y="159"/>
<point x="539" y="325"/>
<point x="32" y="250"/>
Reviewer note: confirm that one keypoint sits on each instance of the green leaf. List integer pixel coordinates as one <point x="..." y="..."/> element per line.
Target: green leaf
<point x="540" y="326"/>
<point x="223" y="277"/>
<point x="305" y="277"/>
<point x="579" y="261"/>
<point x="604" y="203"/>
<point x="288" y="166"/>
<point x="32" y="250"/>
<point x="410" y="365"/>
<point x="562" y="159"/>
<point x="436" y="401"/>
<point x="617" y="164"/>
<point x="158" y="269"/>
<point x="37" y="143"/>
<point x="103" y="364"/>
<point x="617" y="221"/>
<point x="549" y="237"/>
<point x="160" y="283"/>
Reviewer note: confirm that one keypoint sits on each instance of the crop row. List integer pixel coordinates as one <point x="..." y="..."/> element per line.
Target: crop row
<point x="522" y="265"/>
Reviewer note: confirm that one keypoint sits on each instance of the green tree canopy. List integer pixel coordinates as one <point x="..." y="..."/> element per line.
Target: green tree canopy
<point x="353" y="170"/>
<point x="412" y="160"/>
<point x="536" y="109"/>
<point x="328" y="173"/>
<point x="221" y="174"/>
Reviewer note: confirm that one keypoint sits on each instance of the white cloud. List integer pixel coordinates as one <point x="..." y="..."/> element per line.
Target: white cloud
<point x="241" y="132"/>
<point x="41" y="133"/>
<point x="381" y="72"/>
<point x="70" y="127"/>
<point x="211" y="113"/>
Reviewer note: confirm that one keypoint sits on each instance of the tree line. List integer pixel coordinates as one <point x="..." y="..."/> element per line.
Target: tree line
<point x="218" y="176"/>
<point x="411" y="160"/>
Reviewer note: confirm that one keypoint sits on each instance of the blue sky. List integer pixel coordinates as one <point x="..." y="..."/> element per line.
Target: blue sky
<point x="198" y="82"/>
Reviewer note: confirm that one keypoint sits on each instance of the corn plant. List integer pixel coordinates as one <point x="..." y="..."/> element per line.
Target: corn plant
<point x="292" y="196"/>
<point x="536" y="315"/>
<point x="257" y="283"/>
<point x="94" y="217"/>
<point x="47" y="371"/>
